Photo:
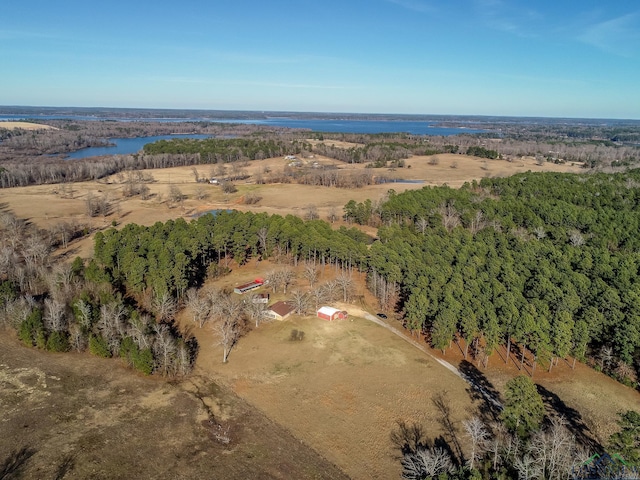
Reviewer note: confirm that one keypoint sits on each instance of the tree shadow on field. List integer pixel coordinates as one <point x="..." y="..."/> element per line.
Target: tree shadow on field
<point x="13" y="465"/>
<point x="575" y="423"/>
<point x="66" y="465"/>
<point x="480" y="389"/>
<point x="409" y="438"/>
<point x="441" y="402"/>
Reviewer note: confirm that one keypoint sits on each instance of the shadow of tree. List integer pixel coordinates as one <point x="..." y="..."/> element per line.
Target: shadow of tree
<point x="66" y="465"/>
<point x="482" y="390"/>
<point x="575" y="423"/>
<point x="409" y="438"/>
<point x="441" y="402"/>
<point x="13" y="465"/>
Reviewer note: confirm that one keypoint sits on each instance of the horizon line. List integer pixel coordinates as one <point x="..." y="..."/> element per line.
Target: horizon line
<point x="312" y="112"/>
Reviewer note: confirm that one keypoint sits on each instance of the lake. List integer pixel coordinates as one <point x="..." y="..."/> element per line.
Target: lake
<point x="126" y="146"/>
<point x="413" y="127"/>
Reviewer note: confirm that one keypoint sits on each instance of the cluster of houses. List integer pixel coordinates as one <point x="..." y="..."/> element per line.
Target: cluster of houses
<point x="282" y="309"/>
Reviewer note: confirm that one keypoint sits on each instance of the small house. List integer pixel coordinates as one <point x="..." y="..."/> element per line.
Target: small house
<point x="279" y="311"/>
<point x="330" y="313"/>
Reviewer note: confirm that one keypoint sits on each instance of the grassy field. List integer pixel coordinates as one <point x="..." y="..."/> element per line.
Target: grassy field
<point x="25" y="126"/>
<point x="47" y="205"/>
<point x="320" y="407"/>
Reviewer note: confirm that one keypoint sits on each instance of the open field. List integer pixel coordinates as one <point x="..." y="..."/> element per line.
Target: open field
<point x="344" y="386"/>
<point x="25" y="126"/>
<point x="47" y="205"/>
<point x="80" y="417"/>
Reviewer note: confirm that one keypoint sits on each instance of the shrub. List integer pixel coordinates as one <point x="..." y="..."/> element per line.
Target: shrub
<point x="58" y="342"/>
<point x="98" y="346"/>
<point x="228" y="187"/>
<point x="143" y="361"/>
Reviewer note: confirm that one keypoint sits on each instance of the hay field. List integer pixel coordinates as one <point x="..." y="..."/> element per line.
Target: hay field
<point x="25" y="126"/>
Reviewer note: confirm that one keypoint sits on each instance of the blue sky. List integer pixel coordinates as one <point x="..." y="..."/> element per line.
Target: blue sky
<point x="560" y="58"/>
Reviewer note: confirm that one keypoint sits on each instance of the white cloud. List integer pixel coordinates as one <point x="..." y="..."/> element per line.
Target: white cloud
<point x="619" y="36"/>
<point x="414" y="5"/>
<point x="508" y="17"/>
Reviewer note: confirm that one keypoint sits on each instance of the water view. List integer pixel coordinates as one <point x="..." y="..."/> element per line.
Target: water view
<point x="126" y="146"/>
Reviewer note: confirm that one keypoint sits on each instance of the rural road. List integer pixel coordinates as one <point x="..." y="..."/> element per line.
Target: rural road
<point x="366" y="315"/>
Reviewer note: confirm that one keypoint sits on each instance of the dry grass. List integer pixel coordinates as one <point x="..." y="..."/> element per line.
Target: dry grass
<point x="341" y="389"/>
<point x="344" y="386"/>
<point x="82" y="417"/>
<point x="46" y="205"/>
<point x="25" y="126"/>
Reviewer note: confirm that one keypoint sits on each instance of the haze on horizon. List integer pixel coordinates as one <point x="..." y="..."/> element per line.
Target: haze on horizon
<point x="463" y="57"/>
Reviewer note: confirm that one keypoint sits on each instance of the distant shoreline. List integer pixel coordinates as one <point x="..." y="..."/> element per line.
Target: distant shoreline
<point x="160" y="114"/>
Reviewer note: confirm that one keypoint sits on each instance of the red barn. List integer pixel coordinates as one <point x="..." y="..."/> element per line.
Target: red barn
<point x="330" y="313"/>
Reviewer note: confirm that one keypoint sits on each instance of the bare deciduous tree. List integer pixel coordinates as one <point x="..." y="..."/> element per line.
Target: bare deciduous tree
<point x="422" y="224"/>
<point x="263" y="236"/>
<point x="301" y="302"/>
<point x="310" y="273"/>
<point x="311" y="212"/>
<point x="255" y="308"/>
<point x="478" y="434"/>
<point x="333" y="216"/>
<point x="576" y="238"/>
<point x="54" y="315"/>
<point x="478" y="222"/>
<point x="164" y="347"/>
<point x="426" y="463"/>
<point x="199" y="305"/>
<point x="344" y="282"/>
<point x="539" y="233"/>
<point x="450" y="216"/>
<point x="164" y="306"/>
<point x="227" y="332"/>
<point x="330" y="291"/>
<point x="175" y="195"/>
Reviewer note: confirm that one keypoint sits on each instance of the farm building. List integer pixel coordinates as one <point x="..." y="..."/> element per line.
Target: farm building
<point x="260" y="298"/>
<point x="279" y="311"/>
<point x="330" y="313"/>
<point x="247" y="287"/>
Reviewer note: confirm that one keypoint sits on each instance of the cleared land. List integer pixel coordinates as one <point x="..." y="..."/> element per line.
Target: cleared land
<point x="25" y="126"/>
<point x="48" y="205"/>
<point x="75" y="416"/>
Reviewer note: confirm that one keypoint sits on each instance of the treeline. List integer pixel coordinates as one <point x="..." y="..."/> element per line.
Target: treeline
<point x="62" y="171"/>
<point x="227" y="150"/>
<point x="169" y="258"/>
<point x="482" y="152"/>
<point x="58" y="307"/>
<point x="546" y="262"/>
